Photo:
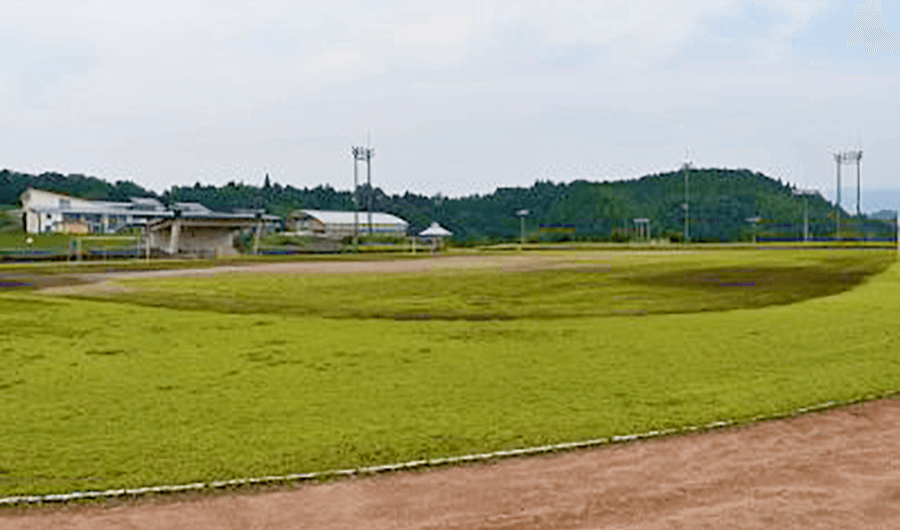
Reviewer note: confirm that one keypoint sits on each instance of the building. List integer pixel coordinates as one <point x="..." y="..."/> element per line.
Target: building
<point x="195" y="230"/>
<point x="337" y="225"/>
<point x="45" y="211"/>
<point x="184" y="228"/>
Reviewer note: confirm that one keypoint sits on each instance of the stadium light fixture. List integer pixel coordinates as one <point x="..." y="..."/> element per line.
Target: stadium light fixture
<point x="848" y="156"/>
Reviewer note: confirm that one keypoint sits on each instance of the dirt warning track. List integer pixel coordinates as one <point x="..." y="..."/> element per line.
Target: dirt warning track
<point x="839" y="469"/>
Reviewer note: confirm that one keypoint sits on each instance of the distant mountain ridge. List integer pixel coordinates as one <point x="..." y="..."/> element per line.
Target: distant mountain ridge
<point x="887" y="215"/>
<point x="720" y="203"/>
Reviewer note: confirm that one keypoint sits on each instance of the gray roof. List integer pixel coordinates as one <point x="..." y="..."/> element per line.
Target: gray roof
<point x="147" y="202"/>
<point x="100" y="208"/>
<point x="216" y="216"/>
<point x="191" y="207"/>
<point x="346" y="218"/>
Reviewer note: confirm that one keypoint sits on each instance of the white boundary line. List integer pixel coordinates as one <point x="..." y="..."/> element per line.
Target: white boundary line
<point x="301" y="477"/>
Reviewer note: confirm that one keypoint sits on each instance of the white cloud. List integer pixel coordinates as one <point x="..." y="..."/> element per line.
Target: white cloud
<point x="210" y="88"/>
<point x="868" y="27"/>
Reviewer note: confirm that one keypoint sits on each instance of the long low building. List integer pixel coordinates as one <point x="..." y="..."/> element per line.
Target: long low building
<point x="337" y="225"/>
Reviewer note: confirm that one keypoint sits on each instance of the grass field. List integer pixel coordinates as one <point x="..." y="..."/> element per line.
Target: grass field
<point x="244" y="376"/>
<point x="557" y="286"/>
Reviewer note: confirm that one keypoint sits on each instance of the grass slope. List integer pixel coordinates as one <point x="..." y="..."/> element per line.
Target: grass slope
<point x="102" y="394"/>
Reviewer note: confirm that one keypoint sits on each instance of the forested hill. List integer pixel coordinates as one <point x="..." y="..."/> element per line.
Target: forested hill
<point x="721" y="201"/>
<point x="12" y="185"/>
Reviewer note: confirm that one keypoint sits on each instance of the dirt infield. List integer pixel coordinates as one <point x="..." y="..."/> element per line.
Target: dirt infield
<point x="839" y="469"/>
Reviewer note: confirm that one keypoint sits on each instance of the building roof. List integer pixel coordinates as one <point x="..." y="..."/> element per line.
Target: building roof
<point x="99" y="208"/>
<point x="435" y="230"/>
<point x="147" y="203"/>
<point x="239" y="219"/>
<point x="346" y="218"/>
<point x="191" y="207"/>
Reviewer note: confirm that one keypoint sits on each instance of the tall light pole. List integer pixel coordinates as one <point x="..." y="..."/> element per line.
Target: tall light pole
<point x="369" y="152"/>
<point x="846" y="157"/>
<point x="687" y="207"/>
<point x="522" y="214"/>
<point x="857" y="156"/>
<point x="358" y="156"/>
<point x="837" y="204"/>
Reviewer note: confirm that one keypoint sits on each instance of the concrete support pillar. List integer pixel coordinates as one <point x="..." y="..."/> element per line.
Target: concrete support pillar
<point x="105" y="219"/>
<point x="174" y="237"/>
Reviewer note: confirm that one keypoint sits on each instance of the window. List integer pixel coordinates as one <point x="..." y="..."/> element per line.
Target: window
<point x="65" y="203"/>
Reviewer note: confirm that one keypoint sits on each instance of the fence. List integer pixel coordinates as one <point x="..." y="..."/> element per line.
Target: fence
<point x="56" y="247"/>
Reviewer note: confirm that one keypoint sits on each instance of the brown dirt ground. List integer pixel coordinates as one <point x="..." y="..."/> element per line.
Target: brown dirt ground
<point x="839" y="469"/>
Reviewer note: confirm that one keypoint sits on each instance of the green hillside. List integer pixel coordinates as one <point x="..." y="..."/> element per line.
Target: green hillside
<point x="721" y="201"/>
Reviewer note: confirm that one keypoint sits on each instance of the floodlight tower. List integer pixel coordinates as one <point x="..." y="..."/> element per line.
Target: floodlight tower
<point x="369" y="152"/>
<point x="838" y="157"/>
<point x="359" y="155"/>
<point x="856" y="155"/>
<point x="846" y="157"/>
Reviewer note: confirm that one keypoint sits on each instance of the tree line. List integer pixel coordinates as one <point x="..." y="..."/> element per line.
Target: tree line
<point x="720" y="203"/>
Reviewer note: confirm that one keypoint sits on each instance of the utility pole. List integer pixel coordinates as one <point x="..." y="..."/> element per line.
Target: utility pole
<point x="858" y="156"/>
<point x="369" y="154"/>
<point x="358" y="156"/>
<point x="805" y="220"/>
<point x="837" y="204"/>
<point x="687" y="207"/>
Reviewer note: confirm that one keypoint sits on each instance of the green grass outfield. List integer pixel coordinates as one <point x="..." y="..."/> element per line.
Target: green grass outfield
<point x="103" y="394"/>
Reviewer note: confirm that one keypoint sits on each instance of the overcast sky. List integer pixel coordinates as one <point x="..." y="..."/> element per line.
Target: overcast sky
<point x="460" y="97"/>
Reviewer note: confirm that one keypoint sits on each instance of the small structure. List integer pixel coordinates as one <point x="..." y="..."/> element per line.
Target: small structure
<point x="642" y="227"/>
<point x="202" y="232"/>
<point x="435" y="234"/>
<point x="337" y="225"/>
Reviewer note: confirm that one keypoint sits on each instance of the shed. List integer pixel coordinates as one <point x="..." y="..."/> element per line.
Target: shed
<point x="435" y="233"/>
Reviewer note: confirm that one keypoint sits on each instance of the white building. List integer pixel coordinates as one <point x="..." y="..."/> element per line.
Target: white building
<point x="45" y="211"/>
<point x="336" y="225"/>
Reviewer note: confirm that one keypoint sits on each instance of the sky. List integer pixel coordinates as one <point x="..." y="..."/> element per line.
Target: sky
<point x="455" y="97"/>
